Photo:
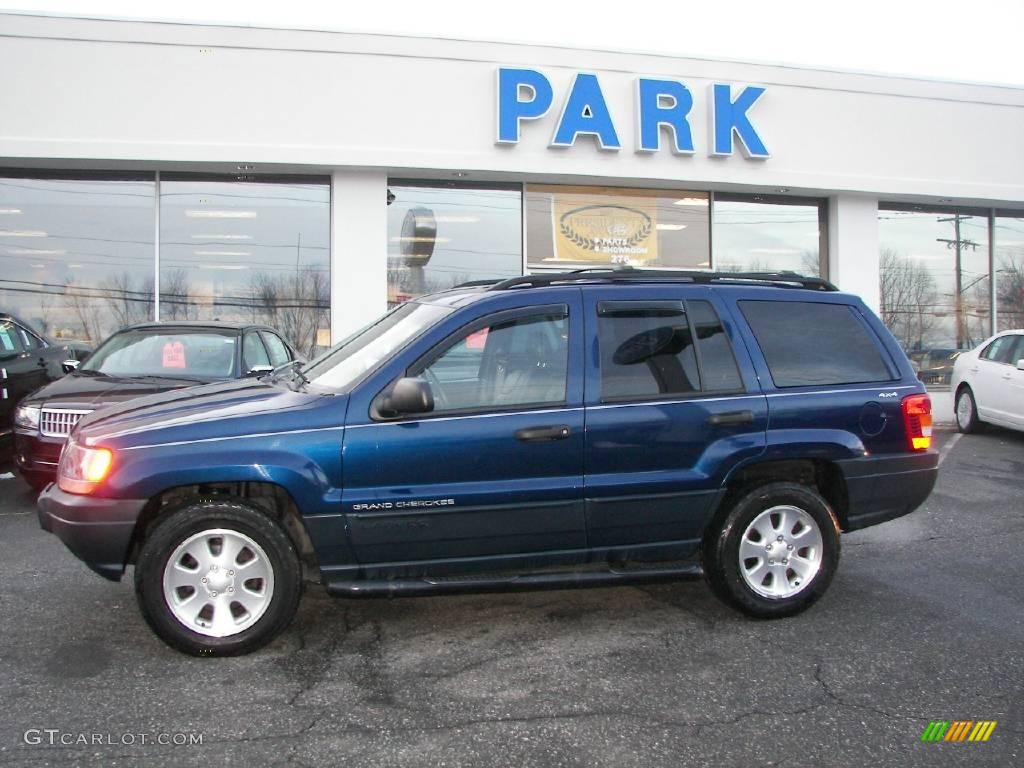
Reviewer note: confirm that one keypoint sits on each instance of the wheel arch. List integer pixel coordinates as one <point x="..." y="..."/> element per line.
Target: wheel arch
<point x="821" y="475"/>
<point x="272" y="499"/>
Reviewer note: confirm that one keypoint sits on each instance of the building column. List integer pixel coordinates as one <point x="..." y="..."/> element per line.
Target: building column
<point x="853" y="246"/>
<point x="359" y="250"/>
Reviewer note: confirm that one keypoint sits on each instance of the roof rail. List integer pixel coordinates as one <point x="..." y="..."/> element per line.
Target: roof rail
<point x="784" y="279"/>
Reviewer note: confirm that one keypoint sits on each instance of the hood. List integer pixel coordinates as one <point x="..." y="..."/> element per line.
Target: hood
<point x="244" y="406"/>
<point x="83" y="391"/>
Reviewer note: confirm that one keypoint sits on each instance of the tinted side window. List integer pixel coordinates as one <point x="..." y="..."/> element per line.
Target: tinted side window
<point x="9" y="340"/>
<point x="516" y="362"/>
<point x="718" y="369"/>
<point x="807" y="343"/>
<point x="278" y="351"/>
<point x="30" y="339"/>
<point x="1000" y="350"/>
<point x="1018" y="351"/>
<point x="253" y="352"/>
<point x="646" y="350"/>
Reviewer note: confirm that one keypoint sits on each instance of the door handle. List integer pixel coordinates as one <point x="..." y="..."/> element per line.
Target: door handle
<point x="731" y="417"/>
<point x="543" y="434"/>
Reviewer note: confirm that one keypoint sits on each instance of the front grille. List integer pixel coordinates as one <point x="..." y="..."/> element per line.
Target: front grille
<point x="55" y="422"/>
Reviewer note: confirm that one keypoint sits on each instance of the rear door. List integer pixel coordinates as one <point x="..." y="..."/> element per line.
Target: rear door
<point x="497" y="468"/>
<point x="672" y="406"/>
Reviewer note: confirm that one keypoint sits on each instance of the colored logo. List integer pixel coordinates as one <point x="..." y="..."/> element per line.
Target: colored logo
<point x="958" y="730"/>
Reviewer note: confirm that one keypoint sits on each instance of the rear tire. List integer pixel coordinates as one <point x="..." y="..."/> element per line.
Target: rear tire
<point x="967" y="420"/>
<point x="775" y="552"/>
<point x="218" y="578"/>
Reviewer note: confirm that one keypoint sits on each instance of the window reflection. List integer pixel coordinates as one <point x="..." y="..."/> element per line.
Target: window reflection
<point x="761" y="236"/>
<point x="1009" y="262"/>
<point x="934" y="282"/>
<point x="248" y="251"/>
<point x="442" y="235"/>
<point x="76" y="252"/>
<point x="578" y="227"/>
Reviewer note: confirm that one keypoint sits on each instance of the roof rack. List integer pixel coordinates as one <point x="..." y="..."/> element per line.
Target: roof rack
<point x="784" y="279"/>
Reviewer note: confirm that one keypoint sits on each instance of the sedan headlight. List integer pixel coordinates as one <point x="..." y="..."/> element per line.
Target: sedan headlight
<point x="82" y="469"/>
<point x="27" y="417"/>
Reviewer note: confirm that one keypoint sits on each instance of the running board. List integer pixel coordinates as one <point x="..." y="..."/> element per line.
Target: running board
<point x="525" y="581"/>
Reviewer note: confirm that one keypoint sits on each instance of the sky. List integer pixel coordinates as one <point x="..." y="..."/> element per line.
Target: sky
<point x="977" y="41"/>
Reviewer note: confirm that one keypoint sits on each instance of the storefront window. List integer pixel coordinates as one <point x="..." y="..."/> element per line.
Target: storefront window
<point x="256" y="250"/>
<point x="1009" y="264"/>
<point x="443" y="235"/>
<point x="76" y="252"/>
<point x="763" y="234"/>
<point x="580" y="227"/>
<point x="935" y="286"/>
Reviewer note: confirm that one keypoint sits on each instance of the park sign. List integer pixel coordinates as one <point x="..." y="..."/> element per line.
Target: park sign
<point x="661" y="106"/>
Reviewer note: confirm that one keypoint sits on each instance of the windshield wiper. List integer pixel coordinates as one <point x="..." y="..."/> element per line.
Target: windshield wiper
<point x="292" y="367"/>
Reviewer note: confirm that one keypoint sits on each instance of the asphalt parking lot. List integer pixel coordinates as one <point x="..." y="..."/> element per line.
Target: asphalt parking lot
<point x="924" y="621"/>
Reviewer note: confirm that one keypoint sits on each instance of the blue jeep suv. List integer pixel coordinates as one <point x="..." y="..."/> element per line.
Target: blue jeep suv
<point x="594" y="427"/>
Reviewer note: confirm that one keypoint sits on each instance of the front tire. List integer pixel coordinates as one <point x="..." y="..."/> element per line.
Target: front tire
<point x="967" y="420"/>
<point x="218" y="579"/>
<point x="775" y="552"/>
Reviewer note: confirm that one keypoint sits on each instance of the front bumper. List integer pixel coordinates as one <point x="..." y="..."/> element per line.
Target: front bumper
<point x="37" y="454"/>
<point x="881" y="488"/>
<point x="97" y="531"/>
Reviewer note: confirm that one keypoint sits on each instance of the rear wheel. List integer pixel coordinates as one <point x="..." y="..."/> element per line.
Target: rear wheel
<point x="775" y="553"/>
<point x="967" y="412"/>
<point x="218" y="579"/>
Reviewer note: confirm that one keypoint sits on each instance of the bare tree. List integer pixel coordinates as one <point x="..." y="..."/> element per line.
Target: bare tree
<point x="907" y="296"/>
<point x="297" y="304"/>
<point x="174" y="296"/>
<point x="1010" y="292"/>
<point x="86" y="309"/>
<point x="127" y="305"/>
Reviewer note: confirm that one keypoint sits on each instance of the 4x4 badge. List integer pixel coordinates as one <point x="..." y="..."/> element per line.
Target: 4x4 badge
<point x="887" y="394"/>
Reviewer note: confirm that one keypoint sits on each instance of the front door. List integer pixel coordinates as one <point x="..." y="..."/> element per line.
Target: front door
<point x="496" y="469"/>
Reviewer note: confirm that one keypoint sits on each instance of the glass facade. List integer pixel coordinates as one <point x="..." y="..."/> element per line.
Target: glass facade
<point x="578" y="227"/>
<point x="935" y="283"/>
<point x="248" y="251"/>
<point x="77" y="252"/>
<point x="1009" y="271"/>
<point x="442" y="235"/>
<point x="766" y="234"/>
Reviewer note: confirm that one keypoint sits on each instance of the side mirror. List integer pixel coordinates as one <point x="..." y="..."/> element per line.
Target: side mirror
<point x="69" y="365"/>
<point x="259" y="370"/>
<point x="407" y="396"/>
<point x="1020" y="364"/>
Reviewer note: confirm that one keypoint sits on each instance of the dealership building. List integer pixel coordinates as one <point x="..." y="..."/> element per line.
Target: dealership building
<point x="312" y="179"/>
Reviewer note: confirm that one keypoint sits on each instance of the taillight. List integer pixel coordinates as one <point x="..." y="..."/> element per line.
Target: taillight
<point x="917" y="419"/>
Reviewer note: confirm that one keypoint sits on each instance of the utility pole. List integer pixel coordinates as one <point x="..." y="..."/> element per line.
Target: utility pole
<point x="958" y="244"/>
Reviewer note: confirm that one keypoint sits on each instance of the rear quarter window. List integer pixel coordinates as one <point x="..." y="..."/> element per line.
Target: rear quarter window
<point x="812" y="344"/>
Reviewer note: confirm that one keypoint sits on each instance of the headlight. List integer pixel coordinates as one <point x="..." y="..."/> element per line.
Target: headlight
<point x="82" y="469"/>
<point x="27" y="417"/>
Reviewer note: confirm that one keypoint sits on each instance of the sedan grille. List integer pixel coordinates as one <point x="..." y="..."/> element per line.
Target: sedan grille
<point x="55" y="422"/>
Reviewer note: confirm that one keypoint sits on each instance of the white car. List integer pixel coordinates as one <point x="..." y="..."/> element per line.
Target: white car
<point x="988" y="383"/>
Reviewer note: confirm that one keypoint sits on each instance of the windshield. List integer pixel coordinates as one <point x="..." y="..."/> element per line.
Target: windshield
<point x="360" y="353"/>
<point x="206" y="354"/>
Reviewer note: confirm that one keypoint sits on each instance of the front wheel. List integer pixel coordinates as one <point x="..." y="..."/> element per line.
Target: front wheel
<point x="775" y="553"/>
<point x="218" y="579"/>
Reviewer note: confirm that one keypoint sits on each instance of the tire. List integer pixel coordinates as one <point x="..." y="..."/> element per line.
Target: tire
<point x="966" y="410"/>
<point x="756" y="521"/>
<point x="248" y="587"/>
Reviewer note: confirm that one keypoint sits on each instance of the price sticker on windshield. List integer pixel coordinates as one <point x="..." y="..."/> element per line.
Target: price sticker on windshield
<point x="174" y="355"/>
